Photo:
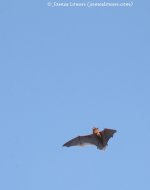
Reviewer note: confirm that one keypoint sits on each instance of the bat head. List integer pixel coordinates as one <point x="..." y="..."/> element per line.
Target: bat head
<point x="96" y="130"/>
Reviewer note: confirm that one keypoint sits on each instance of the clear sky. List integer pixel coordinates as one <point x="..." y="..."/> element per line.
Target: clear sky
<point x="63" y="71"/>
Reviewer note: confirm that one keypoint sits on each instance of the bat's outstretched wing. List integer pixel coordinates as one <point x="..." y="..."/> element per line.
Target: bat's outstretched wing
<point x="107" y="134"/>
<point x="82" y="140"/>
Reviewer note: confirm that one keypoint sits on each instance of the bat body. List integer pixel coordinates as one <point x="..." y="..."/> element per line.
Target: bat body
<point x="97" y="138"/>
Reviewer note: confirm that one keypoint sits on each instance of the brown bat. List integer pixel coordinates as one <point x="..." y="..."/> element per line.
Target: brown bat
<point x="97" y="138"/>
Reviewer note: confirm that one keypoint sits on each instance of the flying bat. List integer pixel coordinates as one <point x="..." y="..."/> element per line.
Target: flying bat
<point x="97" y="138"/>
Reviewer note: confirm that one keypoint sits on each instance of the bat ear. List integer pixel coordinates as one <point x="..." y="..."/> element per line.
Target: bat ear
<point x="94" y="128"/>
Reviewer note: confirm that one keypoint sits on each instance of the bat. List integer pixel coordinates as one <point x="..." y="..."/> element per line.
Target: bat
<point x="97" y="138"/>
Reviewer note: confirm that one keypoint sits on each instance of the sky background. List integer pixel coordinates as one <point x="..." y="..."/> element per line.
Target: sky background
<point x="63" y="71"/>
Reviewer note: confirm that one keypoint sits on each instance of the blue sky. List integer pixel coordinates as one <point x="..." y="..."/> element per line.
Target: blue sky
<point x="63" y="71"/>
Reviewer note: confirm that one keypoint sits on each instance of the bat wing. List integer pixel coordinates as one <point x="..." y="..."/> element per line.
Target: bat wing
<point x="82" y="140"/>
<point x="107" y="134"/>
